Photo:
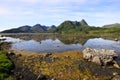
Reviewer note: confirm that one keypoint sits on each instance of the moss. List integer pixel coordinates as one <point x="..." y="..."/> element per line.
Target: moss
<point x="5" y="65"/>
<point x="65" y="68"/>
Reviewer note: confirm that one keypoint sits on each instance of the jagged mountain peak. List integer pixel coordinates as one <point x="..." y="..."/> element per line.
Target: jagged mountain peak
<point x="83" y="22"/>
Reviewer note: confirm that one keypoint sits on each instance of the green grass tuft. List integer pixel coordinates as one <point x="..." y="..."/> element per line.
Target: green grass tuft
<point x="5" y="66"/>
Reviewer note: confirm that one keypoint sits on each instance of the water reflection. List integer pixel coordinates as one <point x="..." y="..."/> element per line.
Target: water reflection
<point x="100" y="43"/>
<point x="60" y="43"/>
<point x="47" y="45"/>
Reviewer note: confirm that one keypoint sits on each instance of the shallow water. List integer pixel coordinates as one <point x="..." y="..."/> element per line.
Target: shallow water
<point x="100" y="43"/>
<point x="55" y="45"/>
<point x="47" y="45"/>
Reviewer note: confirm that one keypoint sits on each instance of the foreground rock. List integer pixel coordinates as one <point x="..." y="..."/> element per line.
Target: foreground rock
<point x="102" y="57"/>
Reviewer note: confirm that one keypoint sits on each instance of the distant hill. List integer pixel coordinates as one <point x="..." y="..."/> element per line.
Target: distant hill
<point x="110" y="28"/>
<point x="31" y="29"/>
<point x="116" y="25"/>
<point x="73" y="26"/>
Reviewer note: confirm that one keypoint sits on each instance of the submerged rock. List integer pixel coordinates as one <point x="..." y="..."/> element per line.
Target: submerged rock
<point x="102" y="57"/>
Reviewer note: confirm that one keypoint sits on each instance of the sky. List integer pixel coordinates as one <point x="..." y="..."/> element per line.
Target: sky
<point x="16" y="13"/>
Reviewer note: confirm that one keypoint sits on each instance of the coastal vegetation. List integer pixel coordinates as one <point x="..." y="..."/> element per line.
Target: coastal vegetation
<point x="5" y="66"/>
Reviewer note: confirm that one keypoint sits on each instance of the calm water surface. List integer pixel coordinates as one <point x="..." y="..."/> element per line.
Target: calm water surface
<point x="50" y="45"/>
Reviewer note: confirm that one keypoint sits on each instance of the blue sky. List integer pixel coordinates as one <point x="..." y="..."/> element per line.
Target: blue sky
<point x="15" y="13"/>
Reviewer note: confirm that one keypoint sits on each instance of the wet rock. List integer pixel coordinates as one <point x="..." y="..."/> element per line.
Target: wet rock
<point x="116" y="76"/>
<point x="47" y="58"/>
<point x="48" y="54"/>
<point x="11" y="54"/>
<point x="116" y="39"/>
<point x="102" y="57"/>
<point x="56" y="59"/>
<point x="41" y="59"/>
<point x="18" y="55"/>
<point x="116" y="65"/>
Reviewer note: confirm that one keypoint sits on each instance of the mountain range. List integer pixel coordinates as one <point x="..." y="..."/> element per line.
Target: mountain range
<point x="65" y="27"/>
<point x="31" y="29"/>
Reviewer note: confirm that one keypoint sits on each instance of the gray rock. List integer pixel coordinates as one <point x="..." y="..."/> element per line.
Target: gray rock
<point x="88" y="54"/>
<point x="96" y="60"/>
<point x="101" y="57"/>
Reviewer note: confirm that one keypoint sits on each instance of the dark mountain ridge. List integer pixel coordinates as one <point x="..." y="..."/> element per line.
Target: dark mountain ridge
<point x="65" y="27"/>
<point x="38" y="28"/>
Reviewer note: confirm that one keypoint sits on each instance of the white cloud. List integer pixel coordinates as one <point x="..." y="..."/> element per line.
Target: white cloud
<point x="97" y="12"/>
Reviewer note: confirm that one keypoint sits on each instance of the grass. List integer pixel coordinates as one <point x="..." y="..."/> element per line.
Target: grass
<point x="5" y="66"/>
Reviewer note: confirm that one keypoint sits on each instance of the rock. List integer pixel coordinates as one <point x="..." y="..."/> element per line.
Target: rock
<point x="116" y="76"/>
<point x="96" y="60"/>
<point x="48" y="54"/>
<point x="116" y="65"/>
<point x="102" y="57"/>
<point x="116" y="39"/>
<point x="87" y="54"/>
<point x="11" y="54"/>
<point x="115" y="73"/>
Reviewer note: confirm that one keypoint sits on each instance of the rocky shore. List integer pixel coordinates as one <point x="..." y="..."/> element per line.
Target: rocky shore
<point x="91" y="64"/>
<point x="63" y="66"/>
<point x="102" y="57"/>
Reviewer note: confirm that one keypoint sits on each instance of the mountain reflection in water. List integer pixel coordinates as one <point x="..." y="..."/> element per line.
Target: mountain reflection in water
<point x="61" y="45"/>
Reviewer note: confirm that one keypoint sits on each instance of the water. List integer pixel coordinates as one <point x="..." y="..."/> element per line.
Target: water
<point x="47" y="45"/>
<point x="55" y="45"/>
<point x="100" y="43"/>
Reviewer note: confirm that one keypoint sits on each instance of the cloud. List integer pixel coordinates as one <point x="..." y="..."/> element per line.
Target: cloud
<point x="96" y="12"/>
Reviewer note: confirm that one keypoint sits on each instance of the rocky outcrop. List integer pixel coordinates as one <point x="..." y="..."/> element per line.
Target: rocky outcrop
<point x="102" y="57"/>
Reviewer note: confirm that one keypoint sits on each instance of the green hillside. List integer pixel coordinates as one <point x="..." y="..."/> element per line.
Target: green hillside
<point x="116" y="25"/>
<point x="71" y="26"/>
<point x="74" y="26"/>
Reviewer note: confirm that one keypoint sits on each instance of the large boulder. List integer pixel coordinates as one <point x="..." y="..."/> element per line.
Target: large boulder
<point x="102" y="57"/>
